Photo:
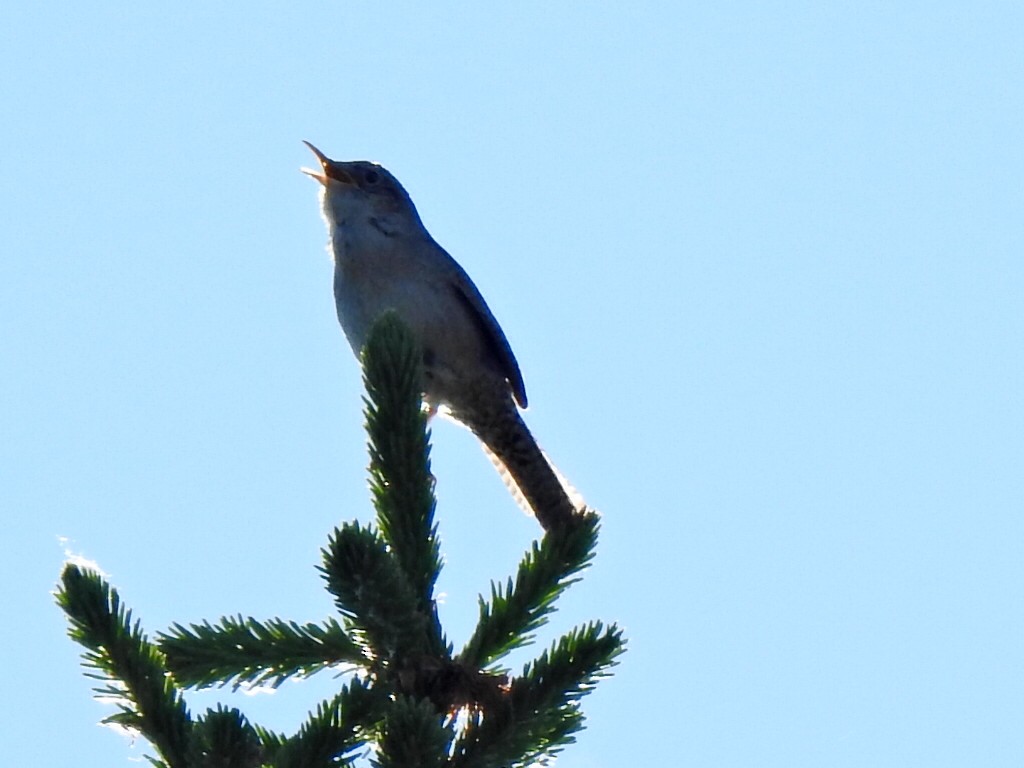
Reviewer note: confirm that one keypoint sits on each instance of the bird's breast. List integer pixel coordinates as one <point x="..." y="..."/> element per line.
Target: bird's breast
<point x="454" y="351"/>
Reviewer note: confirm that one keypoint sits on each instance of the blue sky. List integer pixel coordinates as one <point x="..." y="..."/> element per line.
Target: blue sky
<point x="760" y="264"/>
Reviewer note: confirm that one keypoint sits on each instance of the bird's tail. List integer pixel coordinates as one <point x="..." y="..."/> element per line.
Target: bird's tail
<point x="575" y="497"/>
<point x="535" y="483"/>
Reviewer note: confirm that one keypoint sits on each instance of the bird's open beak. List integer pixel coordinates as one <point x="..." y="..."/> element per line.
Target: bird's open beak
<point x="328" y="168"/>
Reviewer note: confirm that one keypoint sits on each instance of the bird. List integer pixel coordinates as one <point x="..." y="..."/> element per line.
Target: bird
<point x="385" y="259"/>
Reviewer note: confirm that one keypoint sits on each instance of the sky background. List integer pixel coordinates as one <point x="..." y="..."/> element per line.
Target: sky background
<point x="761" y="264"/>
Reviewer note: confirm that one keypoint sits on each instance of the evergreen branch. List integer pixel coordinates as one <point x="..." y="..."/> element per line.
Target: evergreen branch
<point x="516" y="611"/>
<point x="239" y="650"/>
<point x="371" y="590"/>
<point x="224" y="737"/>
<point x="410" y="687"/>
<point x="338" y="728"/>
<point x="119" y="652"/>
<point x="413" y="735"/>
<point x="542" y="708"/>
<point x="400" y="478"/>
<point x="271" y="740"/>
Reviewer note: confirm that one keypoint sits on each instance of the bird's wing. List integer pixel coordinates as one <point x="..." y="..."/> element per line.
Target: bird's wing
<point x="470" y="297"/>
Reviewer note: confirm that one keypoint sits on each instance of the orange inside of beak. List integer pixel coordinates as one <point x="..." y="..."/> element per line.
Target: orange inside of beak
<point x="328" y="168"/>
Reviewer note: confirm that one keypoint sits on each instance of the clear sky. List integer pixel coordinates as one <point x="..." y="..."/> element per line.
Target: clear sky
<point x="761" y="265"/>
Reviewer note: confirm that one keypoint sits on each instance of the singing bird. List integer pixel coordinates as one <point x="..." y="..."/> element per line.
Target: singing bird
<point x="384" y="258"/>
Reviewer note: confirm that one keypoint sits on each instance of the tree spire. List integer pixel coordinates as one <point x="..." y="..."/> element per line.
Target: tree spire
<point x="404" y="685"/>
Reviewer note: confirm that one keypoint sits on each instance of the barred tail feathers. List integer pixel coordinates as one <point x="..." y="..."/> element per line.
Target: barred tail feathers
<point x="575" y="497"/>
<point x="533" y="480"/>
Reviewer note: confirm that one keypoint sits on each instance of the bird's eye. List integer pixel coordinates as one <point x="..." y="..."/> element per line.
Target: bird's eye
<point x="371" y="177"/>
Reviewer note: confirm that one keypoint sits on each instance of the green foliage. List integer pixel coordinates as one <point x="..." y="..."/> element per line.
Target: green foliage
<point x="400" y="479"/>
<point x="412" y="734"/>
<point x="224" y="737"/>
<point x="517" y="610"/>
<point x="404" y="686"/>
<point x="541" y="711"/>
<point x="247" y="651"/>
<point x="335" y="731"/>
<point x="133" y="669"/>
<point x="373" y="594"/>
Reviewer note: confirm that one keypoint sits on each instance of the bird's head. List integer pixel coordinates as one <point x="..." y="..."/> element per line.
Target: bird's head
<point x="363" y="196"/>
